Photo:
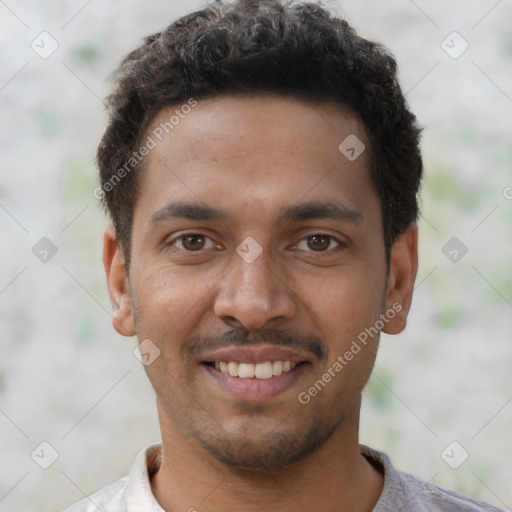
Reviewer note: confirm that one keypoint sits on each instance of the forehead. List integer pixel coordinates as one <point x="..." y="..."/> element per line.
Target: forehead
<point x="239" y="151"/>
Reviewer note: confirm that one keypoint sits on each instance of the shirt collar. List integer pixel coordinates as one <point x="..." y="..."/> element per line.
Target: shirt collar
<point x="138" y="494"/>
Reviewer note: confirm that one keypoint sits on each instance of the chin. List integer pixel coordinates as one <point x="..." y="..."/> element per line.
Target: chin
<point x="264" y="451"/>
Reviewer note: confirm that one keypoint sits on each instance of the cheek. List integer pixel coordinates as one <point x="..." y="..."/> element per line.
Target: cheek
<point x="345" y="305"/>
<point x="167" y="302"/>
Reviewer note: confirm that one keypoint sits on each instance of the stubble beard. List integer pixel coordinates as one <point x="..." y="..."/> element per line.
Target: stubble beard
<point x="250" y="449"/>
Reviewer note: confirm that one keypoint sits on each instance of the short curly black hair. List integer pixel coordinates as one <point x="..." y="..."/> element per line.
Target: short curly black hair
<point x="259" y="47"/>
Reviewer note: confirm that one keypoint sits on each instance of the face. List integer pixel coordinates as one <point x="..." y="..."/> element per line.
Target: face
<point x="257" y="261"/>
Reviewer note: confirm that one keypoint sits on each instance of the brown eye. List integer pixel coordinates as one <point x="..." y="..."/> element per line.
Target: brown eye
<point x="319" y="243"/>
<point x="193" y="242"/>
<point x="192" y="245"/>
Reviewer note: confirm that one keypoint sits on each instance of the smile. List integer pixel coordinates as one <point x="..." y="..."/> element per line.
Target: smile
<point x="256" y="372"/>
<point x="264" y="370"/>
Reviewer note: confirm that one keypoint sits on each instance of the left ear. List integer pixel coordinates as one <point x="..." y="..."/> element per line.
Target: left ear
<point x="402" y="274"/>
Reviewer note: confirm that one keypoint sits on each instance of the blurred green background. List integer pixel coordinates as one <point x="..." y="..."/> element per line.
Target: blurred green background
<point x="67" y="378"/>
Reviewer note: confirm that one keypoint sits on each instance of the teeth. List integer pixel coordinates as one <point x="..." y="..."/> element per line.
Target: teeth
<point x="246" y="371"/>
<point x="263" y="370"/>
<point x="259" y="371"/>
<point x="233" y="369"/>
<point x="277" y="367"/>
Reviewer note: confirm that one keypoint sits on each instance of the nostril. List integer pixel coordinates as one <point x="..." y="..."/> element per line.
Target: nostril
<point x="232" y="321"/>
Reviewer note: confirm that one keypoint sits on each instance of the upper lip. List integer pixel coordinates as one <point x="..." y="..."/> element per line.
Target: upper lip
<point x="256" y="354"/>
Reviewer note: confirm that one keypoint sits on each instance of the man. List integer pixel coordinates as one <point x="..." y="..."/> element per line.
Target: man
<point x="261" y="171"/>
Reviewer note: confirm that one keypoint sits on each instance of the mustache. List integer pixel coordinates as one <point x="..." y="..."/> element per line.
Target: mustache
<point x="243" y="337"/>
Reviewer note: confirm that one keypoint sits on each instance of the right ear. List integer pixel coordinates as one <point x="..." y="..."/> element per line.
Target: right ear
<point x="118" y="284"/>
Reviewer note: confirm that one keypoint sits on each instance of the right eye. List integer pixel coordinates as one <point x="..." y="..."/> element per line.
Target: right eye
<point x="192" y="242"/>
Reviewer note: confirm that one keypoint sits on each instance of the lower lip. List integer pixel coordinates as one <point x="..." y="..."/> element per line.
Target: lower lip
<point x="256" y="389"/>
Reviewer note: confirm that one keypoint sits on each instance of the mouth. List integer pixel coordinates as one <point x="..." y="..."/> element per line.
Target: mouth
<point x="255" y="373"/>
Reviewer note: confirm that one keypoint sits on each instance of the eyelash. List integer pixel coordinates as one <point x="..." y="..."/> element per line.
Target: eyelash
<point x="183" y="236"/>
<point x="329" y="250"/>
<point x="339" y="245"/>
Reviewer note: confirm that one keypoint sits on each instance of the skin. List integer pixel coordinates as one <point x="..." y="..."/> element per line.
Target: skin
<point x="252" y="157"/>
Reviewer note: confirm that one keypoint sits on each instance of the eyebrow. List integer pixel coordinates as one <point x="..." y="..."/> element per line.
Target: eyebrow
<point x="302" y="211"/>
<point x="187" y="210"/>
<point x="320" y="210"/>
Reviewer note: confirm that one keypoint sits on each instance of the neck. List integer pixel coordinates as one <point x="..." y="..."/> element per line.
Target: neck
<point x="336" y="477"/>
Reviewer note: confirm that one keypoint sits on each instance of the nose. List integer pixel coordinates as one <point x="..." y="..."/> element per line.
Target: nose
<point x="253" y="295"/>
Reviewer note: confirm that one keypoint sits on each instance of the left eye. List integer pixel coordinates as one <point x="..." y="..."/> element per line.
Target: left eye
<point x="193" y="242"/>
<point x="317" y="243"/>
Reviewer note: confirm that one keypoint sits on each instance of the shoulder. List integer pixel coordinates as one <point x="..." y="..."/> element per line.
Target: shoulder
<point x="426" y="496"/>
<point x="403" y="491"/>
<point x="108" y="499"/>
